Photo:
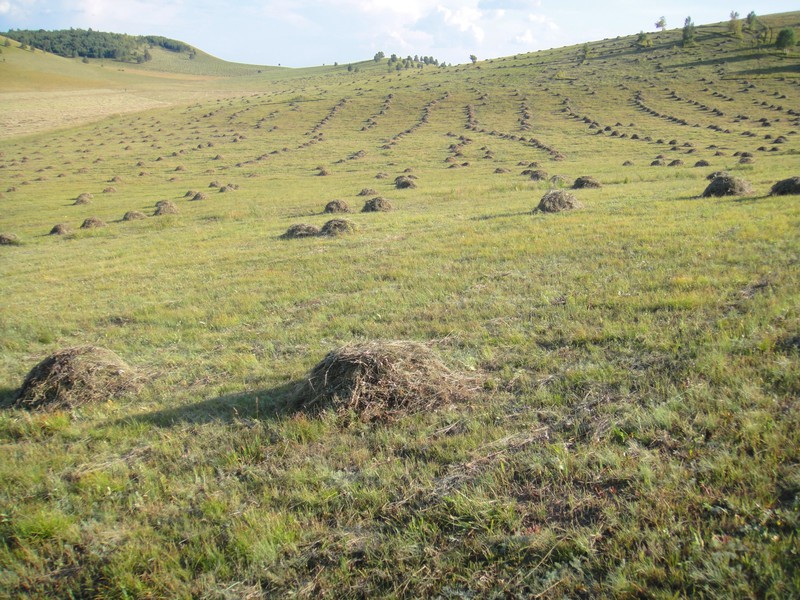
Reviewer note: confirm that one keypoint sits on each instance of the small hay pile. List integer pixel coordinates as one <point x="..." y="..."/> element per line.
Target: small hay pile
<point x="165" y="207"/>
<point x="538" y="175"/>
<point x="727" y="186"/>
<point x="60" y="229"/>
<point x="367" y="192"/>
<point x="336" y="227"/>
<point x="557" y="201"/>
<point x="300" y="230"/>
<point x="75" y="376"/>
<point x="587" y="181"/>
<point x="9" y="239"/>
<point x="403" y="182"/>
<point x="379" y="381"/>
<point x="786" y="187"/>
<point x="134" y="215"/>
<point x="92" y="223"/>
<point x="85" y="198"/>
<point x="377" y="204"/>
<point x="199" y="196"/>
<point x="337" y="206"/>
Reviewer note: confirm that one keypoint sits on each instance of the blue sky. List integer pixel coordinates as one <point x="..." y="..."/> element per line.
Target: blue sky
<point x="301" y="33"/>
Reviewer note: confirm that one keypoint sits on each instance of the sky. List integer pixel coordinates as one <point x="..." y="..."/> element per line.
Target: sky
<point x="300" y="33"/>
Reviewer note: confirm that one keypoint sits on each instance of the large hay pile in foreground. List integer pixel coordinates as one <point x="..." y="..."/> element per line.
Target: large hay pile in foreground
<point x="75" y="376"/>
<point x="379" y="381"/>
<point x="557" y="201"/>
<point x="726" y="185"/>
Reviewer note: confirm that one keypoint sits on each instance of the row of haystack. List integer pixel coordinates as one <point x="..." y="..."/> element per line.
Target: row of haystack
<point x="376" y="381"/>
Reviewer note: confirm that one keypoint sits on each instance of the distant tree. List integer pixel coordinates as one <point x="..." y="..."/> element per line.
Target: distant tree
<point x="751" y="19"/>
<point x="786" y="39"/>
<point x="378" y="56"/>
<point x="147" y="56"/>
<point x="661" y="24"/>
<point x="473" y="58"/>
<point x="735" y="24"/>
<point x="688" y="31"/>
<point x="643" y="40"/>
<point x="349" y="68"/>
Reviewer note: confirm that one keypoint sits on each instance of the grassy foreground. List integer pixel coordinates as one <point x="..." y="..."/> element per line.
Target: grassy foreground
<point x="635" y="427"/>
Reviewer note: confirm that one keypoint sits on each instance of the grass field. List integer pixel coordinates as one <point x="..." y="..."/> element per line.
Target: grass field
<point x="632" y="426"/>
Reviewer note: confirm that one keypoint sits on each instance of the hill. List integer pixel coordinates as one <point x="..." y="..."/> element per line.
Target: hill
<point x="601" y="402"/>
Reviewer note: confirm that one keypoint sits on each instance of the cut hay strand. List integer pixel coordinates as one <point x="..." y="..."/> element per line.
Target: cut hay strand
<point x="379" y="381"/>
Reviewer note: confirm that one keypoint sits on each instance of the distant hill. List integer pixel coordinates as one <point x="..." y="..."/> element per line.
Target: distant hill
<point x="86" y="43"/>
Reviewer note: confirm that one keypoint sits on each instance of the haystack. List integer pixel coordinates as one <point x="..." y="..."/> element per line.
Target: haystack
<point x="786" y="187"/>
<point x="587" y="181"/>
<point x="92" y="223"/>
<point x="377" y="204"/>
<point x="336" y="227"/>
<point x="403" y="182"/>
<point x="165" y="207"/>
<point x="379" y="381"/>
<point x="727" y="186"/>
<point x="367" y="192"/>
<point x="337" y="206"/>
<point x="85" y="198"/>
<point x="557" y="201"/>
<point x="60" y="229"/>
<point x="134" y="215"/>
<point x="9" y="239"/>
<point x="300" y="230"/>
<point x="75" y="376"/>
<point x="200" y="196"/>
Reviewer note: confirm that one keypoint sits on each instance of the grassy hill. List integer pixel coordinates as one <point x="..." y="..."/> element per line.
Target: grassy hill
<point x="620" y="417"/>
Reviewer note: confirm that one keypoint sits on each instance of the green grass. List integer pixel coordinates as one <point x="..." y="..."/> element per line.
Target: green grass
<point x="636" y="429"/>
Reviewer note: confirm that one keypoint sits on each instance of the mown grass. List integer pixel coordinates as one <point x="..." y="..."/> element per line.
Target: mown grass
<point x="635" y="431"/>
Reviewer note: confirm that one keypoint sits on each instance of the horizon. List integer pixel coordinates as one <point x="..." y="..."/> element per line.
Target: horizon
<point x="313" y="33"/>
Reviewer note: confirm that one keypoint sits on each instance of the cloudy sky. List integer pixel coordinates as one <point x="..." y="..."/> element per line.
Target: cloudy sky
<point x="300" y="33"/>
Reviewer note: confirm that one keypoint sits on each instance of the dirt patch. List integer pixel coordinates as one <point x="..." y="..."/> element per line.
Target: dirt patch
<point x="76" y="376"/>
<point x="557" y="201"/>
<point x="786" y="187"/>
<point x="727" y="186"/>
<point x="379" y="381"/>
<point x="337" y="206"/>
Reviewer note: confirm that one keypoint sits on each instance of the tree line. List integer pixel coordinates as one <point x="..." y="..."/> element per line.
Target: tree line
<point x="86" y="43"/>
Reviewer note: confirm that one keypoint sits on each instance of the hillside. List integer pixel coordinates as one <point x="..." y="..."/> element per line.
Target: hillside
<point x="600" y="402"/>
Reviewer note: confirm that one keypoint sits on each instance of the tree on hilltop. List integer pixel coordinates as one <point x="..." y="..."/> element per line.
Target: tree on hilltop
<point x="735" y="24"/>
<point x="688" y="31"/>
<point x="473" y="58"/>
<point x="661" y="24"/>
<point x="786" y="39"/>
<point x="378" y="56"/>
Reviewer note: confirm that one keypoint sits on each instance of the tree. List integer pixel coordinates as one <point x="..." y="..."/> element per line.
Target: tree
<point x="473" y="58"/>
<point x="688" y="31"/>
<point x="378" y="56"/>
<point x="786" y="39"/>
<point x="735" y="25"/>
<point x="661" y="24"/>
<point x="643" y="40"/>
<point x="751" y="19"/>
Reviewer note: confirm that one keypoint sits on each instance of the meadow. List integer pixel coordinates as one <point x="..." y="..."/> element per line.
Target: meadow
<point x="634" y="365"/>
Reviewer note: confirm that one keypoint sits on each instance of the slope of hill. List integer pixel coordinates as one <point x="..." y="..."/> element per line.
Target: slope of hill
<point x="623" y="419"/>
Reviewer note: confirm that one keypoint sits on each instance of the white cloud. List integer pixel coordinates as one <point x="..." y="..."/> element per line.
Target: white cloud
<point x="543" y="20"/>
<point x="464" y="19"/>
<point x="5" y="8"/>
<point x="525" y="39"/>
